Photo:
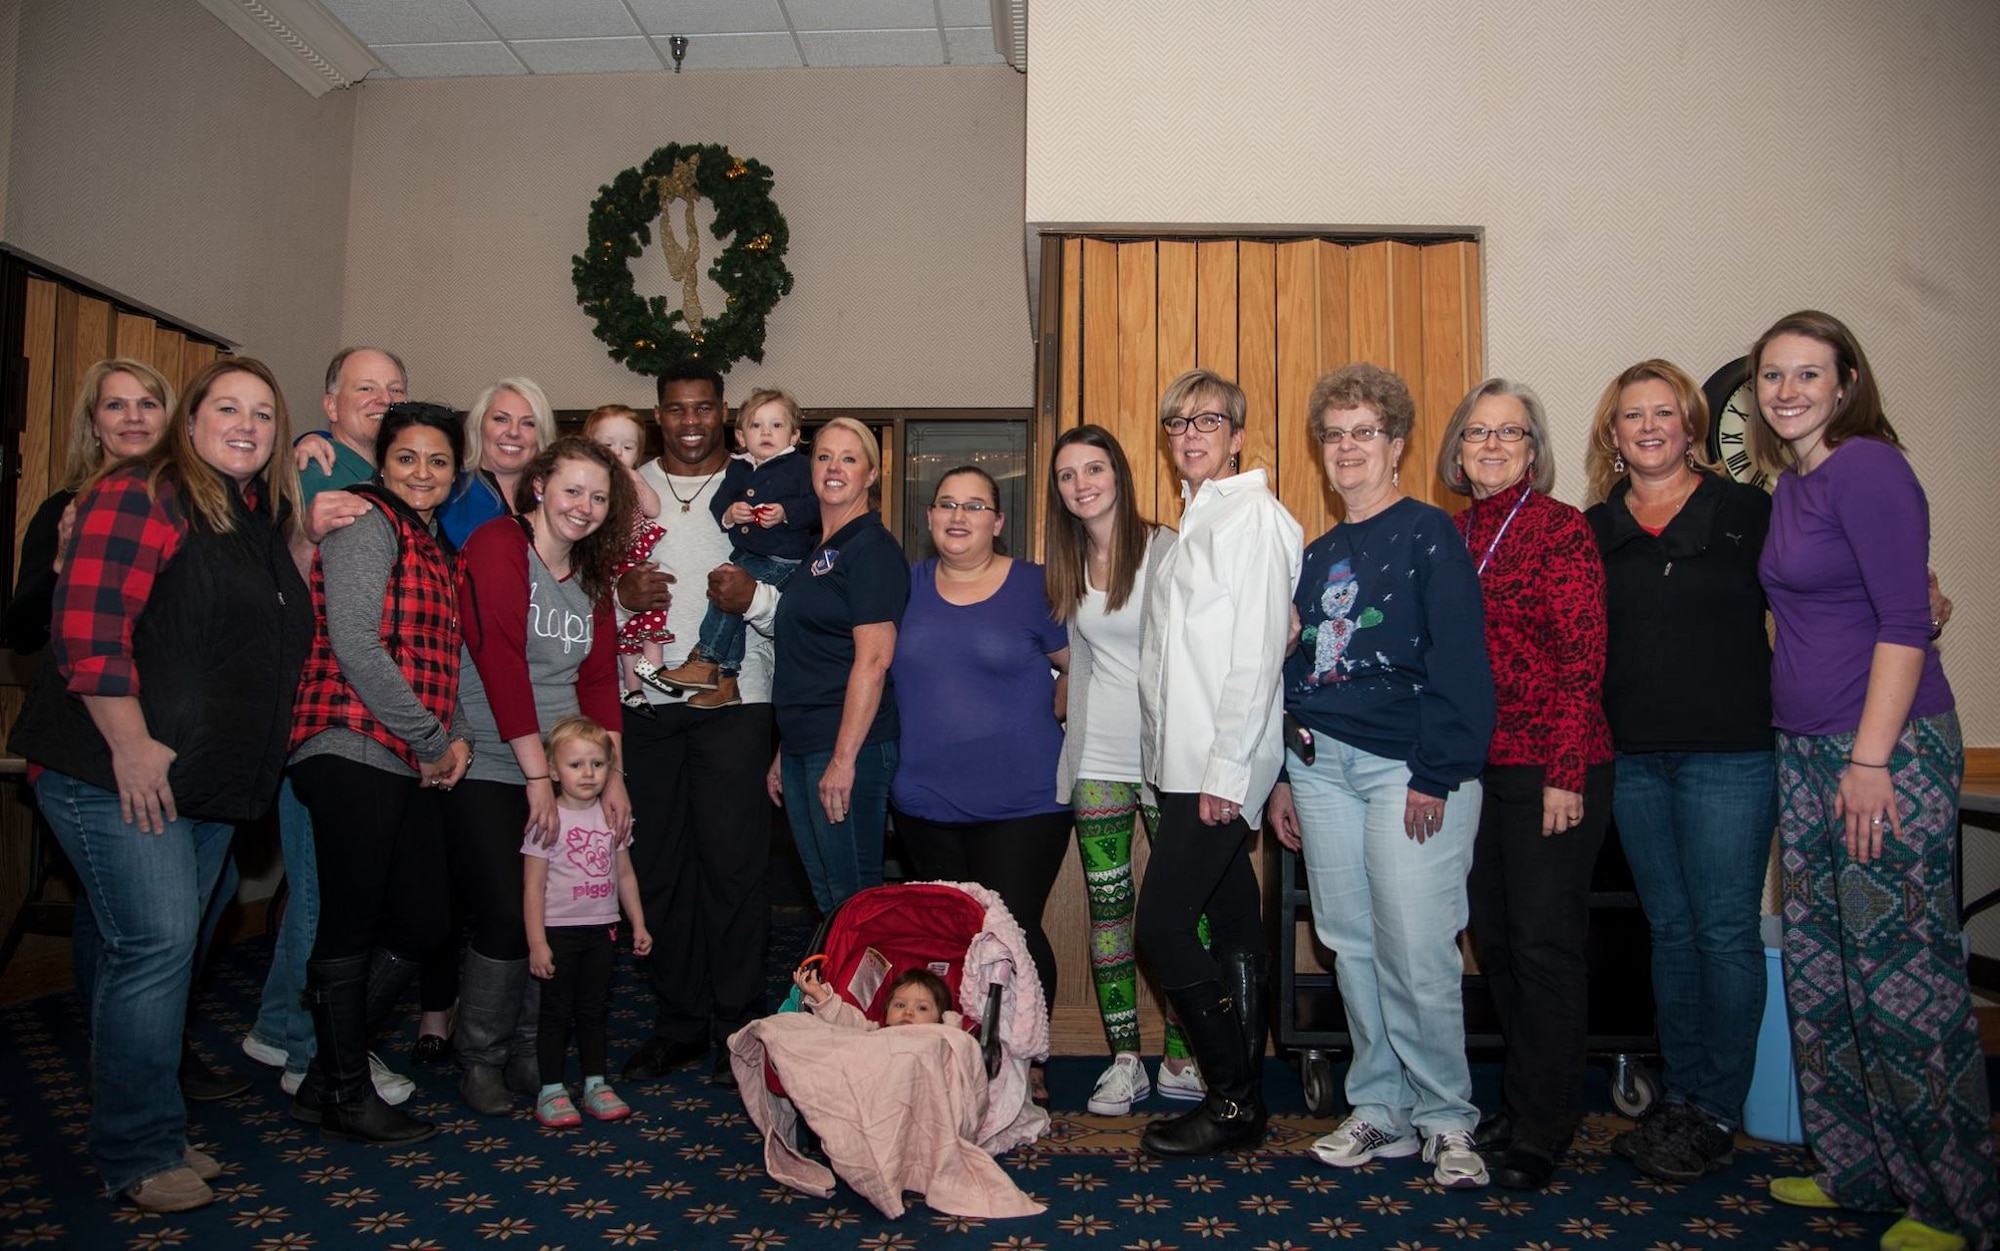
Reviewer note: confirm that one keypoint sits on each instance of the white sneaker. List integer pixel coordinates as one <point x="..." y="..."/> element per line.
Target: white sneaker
<point x="264" y="1053"/>
<point x="1457" y="1165"/>
<point x="1185" y="1085"/>
<point x="392" y="1086"/>
<point x="1354" y="1142"/>
<point x="1119" y="1087"/>
<point x="290" y="1082"/>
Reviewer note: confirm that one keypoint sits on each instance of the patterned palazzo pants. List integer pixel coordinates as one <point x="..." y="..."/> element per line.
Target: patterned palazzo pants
<point x="1892" y="1081"/>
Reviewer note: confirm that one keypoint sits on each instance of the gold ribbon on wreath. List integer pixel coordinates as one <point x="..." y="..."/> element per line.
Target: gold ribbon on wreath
<point x="683" y="261"/>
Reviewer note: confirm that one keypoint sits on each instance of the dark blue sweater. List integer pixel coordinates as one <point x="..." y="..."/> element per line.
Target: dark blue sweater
<point x="785" y="479"/>
<point x="1392" y="657"/>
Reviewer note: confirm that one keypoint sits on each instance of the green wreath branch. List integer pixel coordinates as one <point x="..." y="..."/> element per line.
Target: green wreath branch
<point x="644" y="334"/>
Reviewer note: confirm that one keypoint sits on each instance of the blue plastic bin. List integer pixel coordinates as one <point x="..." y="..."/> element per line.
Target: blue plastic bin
<point x="1771" y="1112"/>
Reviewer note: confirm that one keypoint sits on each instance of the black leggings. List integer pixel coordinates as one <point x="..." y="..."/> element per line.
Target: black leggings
<point x="1017" y="859"/>
<point x="484" y="824"/>
<point x="380" y="851"/>
<point x="579" y="994"/>
<point x="1196" y="869"/>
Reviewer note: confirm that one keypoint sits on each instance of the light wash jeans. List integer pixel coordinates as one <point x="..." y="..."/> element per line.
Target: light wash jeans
<point x="282" y="1021"/>
<point x="1696" y="828"/>
<point x="1390" y="909"/>
<point x="147" y="893"/>
<point x="845" y="856"/>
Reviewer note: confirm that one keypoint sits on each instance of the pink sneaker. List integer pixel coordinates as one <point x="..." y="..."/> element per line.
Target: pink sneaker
<point x="555" y="1111"/>
<point x="603" y="1103"/>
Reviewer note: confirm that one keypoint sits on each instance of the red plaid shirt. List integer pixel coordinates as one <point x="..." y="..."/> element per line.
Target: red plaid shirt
<point x="123" y="539"/>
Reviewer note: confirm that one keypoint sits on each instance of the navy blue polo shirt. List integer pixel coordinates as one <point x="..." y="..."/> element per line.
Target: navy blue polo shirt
<point x="858" y="576"/>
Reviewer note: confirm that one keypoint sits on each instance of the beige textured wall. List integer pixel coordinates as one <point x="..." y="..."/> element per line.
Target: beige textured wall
<point x="156" y="154"/>
<point x="10" y="37"/>
<point x="1650" y="180"/>
<point x="902" y="189"/>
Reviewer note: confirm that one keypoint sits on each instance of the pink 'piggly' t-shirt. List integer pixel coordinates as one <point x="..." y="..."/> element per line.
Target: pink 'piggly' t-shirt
<point x="583" y="869"/>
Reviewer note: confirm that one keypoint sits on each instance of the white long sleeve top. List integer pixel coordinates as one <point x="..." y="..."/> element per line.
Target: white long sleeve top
<point x="1218" y="610"/>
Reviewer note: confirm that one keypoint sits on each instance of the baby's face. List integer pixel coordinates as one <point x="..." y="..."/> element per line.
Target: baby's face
<point x="911" y="1005"/>
<point x="768" y="431"/>
<point x="623" y="437"/>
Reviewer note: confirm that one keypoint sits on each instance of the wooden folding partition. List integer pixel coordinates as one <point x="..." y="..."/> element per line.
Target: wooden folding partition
<point x="1131" y="314"/>
<point x="54" y="329"/>
<point x="65" y="330"/>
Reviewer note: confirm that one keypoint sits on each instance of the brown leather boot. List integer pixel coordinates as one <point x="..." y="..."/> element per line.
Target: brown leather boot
<point x="723" y="696"/>
<point x="697" y="673"/>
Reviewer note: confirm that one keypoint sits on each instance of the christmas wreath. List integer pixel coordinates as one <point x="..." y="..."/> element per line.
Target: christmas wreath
<point x="645" y="334"/>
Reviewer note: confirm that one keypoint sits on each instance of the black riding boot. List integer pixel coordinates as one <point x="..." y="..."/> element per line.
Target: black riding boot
<point x="1230" y="1116"/>
<point x="1247" y="976"/>
<point x="337" y="993"/>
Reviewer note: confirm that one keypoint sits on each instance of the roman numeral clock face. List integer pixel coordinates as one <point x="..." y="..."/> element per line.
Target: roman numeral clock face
<point x="1732" y="406"/>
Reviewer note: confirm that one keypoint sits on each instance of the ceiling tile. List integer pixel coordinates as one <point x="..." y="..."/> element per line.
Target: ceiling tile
<point x="546" y="19"/>
<point x="587" y="56"/>
<point x="410" y="21"/>
<point x="448" y="60"/>
<point x="972" y="45"/>
<point x="873" y="47"/>
<point x="713" y="52"/>
<point x="862" y="15"/>
<point x="966" y="12"/>
<point x="703" y="17"/>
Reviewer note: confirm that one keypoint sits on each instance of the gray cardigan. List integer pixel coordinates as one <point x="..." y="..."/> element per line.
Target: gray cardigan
<point x="1079" y="679"/>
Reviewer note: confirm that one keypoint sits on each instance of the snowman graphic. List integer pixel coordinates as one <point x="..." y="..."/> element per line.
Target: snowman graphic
<point x="1331" y="640"/>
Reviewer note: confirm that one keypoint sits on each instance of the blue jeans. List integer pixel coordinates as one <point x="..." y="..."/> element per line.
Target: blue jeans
<point x="722" y="632"/>
<point x="85" y="945"/>
<point x="1390" y="910"/>
<point x="1697" y="828"/>
<point x="147" y="892"/>
<point x="844" y="856"/>
<point x="282" y="1021"/>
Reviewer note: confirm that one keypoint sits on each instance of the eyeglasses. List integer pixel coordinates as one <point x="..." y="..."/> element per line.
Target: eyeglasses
<point x="975" y="507"/>
<point x="1506" y="434"/>
<point x="1207" y="423"/>
<point x="1331" y="435"/>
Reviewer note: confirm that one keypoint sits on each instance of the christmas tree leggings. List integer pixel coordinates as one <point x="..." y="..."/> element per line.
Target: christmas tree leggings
<point x="1104" y="812"/>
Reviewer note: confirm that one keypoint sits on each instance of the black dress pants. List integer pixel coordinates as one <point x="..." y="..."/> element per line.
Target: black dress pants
<point x="701" y="849"/>
<point x="1530" y="904"/>
<point x="1196" y="869"/>
<point x="1017" y="859"/>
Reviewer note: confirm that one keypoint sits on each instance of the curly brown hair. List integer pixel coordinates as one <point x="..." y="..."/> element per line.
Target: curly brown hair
<point x="595" y="556"/>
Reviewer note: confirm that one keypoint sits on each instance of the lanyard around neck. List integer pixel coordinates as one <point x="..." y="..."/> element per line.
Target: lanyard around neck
<point x="1501" y="533"/>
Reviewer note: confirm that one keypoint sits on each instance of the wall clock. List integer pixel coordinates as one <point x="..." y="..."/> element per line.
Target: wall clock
<point x="1732" y="405"/>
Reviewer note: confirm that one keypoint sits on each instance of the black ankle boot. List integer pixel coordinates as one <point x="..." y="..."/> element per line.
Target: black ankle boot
<point x="1231" y="1116"/>
<point x="351" y="1111"/>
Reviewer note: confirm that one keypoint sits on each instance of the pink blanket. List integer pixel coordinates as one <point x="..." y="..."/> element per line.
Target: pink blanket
<point x="895" y="1109"/>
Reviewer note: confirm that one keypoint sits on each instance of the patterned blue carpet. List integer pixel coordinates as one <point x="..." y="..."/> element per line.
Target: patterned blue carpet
<point x="686" y="1172"/>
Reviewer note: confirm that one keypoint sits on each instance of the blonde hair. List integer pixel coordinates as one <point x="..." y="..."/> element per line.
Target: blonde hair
<point x="84" y="458"/>
<point x="768" y="395"/>
<point x="869" y="447"/>
<point x="205" y="492"/>
<point x="1600" y="462"/>
<point x="475" y="418"/>
<point x="580" y="729"/>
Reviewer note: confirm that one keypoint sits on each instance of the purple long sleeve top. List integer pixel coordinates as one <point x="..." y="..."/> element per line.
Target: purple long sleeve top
<point x="1844" y="569"/>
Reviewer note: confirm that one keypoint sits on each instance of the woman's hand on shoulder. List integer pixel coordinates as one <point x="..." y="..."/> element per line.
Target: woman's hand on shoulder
<point x="1282" y="815"/>
<point x="618" y="810"/>
<point x="544" y="822"/>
